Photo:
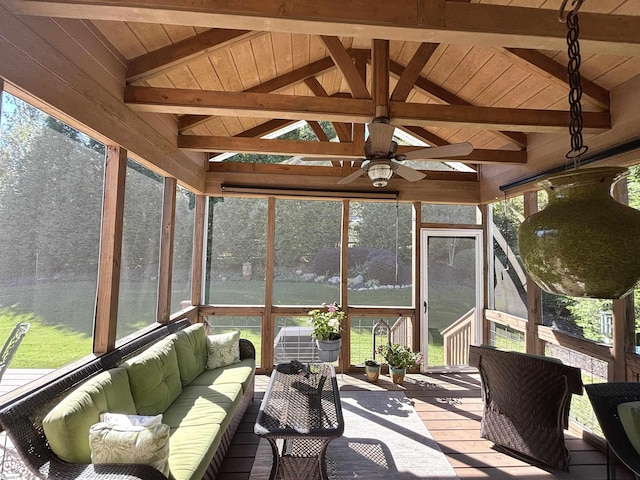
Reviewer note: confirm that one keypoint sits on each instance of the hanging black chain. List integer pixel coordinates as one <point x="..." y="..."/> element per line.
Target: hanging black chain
<point x="575" y="86"/>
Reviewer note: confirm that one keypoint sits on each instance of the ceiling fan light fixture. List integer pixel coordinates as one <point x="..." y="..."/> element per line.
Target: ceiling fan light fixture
<point x="380" y="174"/>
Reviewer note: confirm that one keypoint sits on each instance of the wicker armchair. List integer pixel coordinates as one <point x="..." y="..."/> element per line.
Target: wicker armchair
<point x="605" y="398"/>
<point x="526" y="403"/>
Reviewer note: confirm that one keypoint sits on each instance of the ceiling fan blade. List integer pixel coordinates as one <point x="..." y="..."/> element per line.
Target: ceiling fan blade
<point x="444" y="151"/>
<point x="330" y="159"/>
<point x="380" y="136"/>
<point x="408" y="173"/>
<point x="352" y="177"/>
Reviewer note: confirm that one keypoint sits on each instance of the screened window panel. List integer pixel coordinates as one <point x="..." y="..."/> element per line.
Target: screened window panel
<point x="51" y="184"/>
<point x="236" y="252"/>
<point x="138" y="301"/>
<point x="307" y="252"/>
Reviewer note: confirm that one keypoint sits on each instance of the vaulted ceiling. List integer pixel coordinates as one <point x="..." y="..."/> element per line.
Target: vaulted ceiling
<point x="489" y="72"/>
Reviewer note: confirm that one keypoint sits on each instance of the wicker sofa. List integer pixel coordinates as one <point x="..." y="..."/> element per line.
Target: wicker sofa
<point x="160" y="372"/>
<point x="526" y="403"/>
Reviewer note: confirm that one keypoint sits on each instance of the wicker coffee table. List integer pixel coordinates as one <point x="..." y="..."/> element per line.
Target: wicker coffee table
<point x="299" y="415"/>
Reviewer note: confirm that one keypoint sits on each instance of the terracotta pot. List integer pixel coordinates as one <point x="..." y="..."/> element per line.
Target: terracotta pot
<point x="329" y="350"/>
<point x="397" y="374"/>
<point x="584" y="243"/>
<point x="372" y="372"/>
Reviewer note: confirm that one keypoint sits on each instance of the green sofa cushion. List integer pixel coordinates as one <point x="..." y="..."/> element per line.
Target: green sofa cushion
<point x="191" y="449"/>
<point x="198" y="419"/>
<point x="67" y="424"/>
<point x="191" y="348"/>
<point x="154" y="377"/>
<point x="242" y="372"/>
<point x="203" y="406"/>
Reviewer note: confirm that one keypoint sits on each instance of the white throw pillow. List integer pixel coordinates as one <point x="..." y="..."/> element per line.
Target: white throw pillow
<point x="131" y="420"/>
<point x="223" y="349"/>
<point x="113" y="443"/>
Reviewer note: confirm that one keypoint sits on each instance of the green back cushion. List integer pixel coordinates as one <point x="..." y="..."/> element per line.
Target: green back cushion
<point x="630" y="418"/>
<point x="154" y="377"/>
<point x="191" y="348"/>
<point x="67" y="425"/>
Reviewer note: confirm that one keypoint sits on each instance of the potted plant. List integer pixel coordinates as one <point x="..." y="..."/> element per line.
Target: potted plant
<point x="399" y="358"/>
<point x="327" y="325"/>
<point x="372" y="370"/>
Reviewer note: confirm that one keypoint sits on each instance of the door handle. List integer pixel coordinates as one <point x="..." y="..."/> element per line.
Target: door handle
<point x="424" y="303"/>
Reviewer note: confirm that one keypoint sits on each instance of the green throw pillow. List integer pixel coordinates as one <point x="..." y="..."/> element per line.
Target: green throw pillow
<point x="113" y="443"/>
<point x="223" y="349"/>
<point x="630" y="418"/>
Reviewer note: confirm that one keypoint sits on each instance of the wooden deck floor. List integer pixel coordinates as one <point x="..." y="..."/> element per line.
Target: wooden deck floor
<point x="451" y="408"/>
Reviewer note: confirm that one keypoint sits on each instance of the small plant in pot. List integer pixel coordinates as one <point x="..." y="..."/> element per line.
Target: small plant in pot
<point x="399" y="358"/>
<point x="372" y="370"/>
<point x="327" y="325"/>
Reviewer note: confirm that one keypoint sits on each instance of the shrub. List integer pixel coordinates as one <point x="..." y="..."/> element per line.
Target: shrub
<point x="373" y="263"/>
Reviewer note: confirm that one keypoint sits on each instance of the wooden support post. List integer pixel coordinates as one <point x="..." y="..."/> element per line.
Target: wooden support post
<point x="345" y="357"/>
<point x="197" y="260"/>
<point x="487" y="241"/>
<point x="623" y="314"/>
<point x="534" y="293"/>
<point x="165" y="273"/>
<point x="268" y="329"/>
<point x="380" y="88"/>
<point x="417" y="277"/>
<point x="106" y="319"/>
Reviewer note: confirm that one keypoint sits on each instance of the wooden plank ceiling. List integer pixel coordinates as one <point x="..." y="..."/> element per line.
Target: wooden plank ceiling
<point x="230" y="87"/>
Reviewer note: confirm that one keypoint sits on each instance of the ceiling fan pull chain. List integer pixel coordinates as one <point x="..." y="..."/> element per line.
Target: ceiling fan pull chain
<point x="575" y="85"/>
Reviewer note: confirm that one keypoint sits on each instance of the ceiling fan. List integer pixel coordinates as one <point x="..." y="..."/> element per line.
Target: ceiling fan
<point x="381" y="161"/>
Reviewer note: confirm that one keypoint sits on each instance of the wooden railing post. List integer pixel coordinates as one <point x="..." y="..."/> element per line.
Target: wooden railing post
<point x="534" y="293"/>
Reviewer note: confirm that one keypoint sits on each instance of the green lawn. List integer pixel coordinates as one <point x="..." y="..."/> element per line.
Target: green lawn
<point x="61" y="314"/>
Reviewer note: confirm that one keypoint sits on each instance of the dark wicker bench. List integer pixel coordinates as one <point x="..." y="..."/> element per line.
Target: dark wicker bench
<point x="527" y="401"/>
<point x="22" y="417"/>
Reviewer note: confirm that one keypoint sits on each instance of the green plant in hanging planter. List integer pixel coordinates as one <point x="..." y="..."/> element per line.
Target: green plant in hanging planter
<point x="327" y="322"/>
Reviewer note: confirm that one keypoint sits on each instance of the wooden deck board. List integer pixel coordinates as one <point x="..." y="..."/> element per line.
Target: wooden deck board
<point x="449" y="405"/>
<point x="451" y="408"/>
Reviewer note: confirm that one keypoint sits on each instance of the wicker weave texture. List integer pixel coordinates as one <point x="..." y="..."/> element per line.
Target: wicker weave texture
<point x="527" y="401"/>
<point x="299" y="415"/>
<point x="605" y="398"/>
<point x="22" y="417"/>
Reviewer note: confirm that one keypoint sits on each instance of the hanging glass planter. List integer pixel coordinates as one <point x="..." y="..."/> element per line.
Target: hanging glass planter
<point x="584" y="243"/>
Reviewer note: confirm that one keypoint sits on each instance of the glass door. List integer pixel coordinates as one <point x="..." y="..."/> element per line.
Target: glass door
<point x="451" y="297"/>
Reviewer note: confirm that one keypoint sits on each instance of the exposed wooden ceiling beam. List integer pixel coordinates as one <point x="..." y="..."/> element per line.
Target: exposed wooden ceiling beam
<point x="538" y="63"/>
<point x="407" y="20"/>
<point x="511" y="119"/>
<point x="343" y="130"/>
<point x="426" y="135"/>
<point x="265" y="128"/>
<point x="380" y="77"/>
<point x="345" y="64"/>
<point x="290" y="78"/>
<point x="480" y="156"/>
<point x="331" y="150"/>
<point x="411" y="72"/>
<point x="287" y="169"/>
<point x="295" y="107"/>
<point x="440" y="93"/>
<point x="202" y="143"/>
<point x="168" y="57"/>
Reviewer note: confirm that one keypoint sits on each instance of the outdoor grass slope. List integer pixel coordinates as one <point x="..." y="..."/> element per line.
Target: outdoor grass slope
<point x="43" y="346"/>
